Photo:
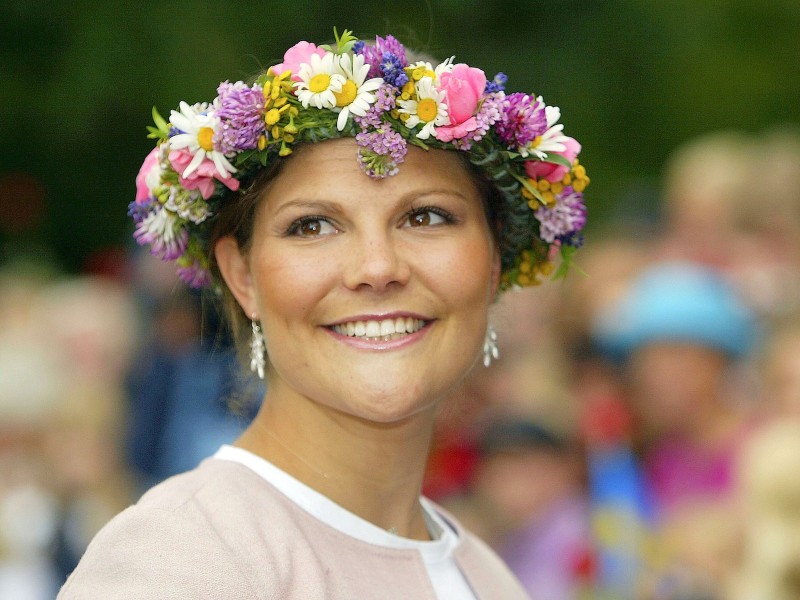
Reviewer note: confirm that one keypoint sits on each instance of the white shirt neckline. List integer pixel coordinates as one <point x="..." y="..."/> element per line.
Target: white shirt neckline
<point x="329" y="512"/>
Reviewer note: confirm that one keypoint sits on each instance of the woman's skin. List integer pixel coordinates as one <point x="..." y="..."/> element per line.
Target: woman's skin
<point x="352" y="416"/>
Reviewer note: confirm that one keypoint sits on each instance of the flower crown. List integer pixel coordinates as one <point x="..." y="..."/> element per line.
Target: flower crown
<point x="373" y="93"/>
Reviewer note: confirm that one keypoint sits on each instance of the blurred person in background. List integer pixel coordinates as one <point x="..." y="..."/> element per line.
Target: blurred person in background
<point x="680" y="332"/>
<point x="64" y="347"/>
<point x="769" y="495"/>
<point x="530" y="482"/>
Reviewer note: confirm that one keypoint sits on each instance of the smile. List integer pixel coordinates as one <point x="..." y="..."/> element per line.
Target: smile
<point x="384" y="330"/>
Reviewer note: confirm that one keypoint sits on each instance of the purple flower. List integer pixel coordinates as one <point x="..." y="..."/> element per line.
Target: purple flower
<point x="567" y="217"/>
<point x="165" y="235"/>
<point x="392" y="70"/>
<point x="381" y="151"/>
<point x="498" y="84"/>
<point x="489" y="113"/>
<point x="241" y="110"/>
<point x="385" y="101"/>
<point x="140" y="210"/>
<point x="523" y="120"/>
<point x="195" y="275"/>
<point x="373" y="55"/>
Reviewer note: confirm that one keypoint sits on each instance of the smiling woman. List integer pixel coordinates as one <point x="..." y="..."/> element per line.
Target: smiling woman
<point x="359" y="214"/>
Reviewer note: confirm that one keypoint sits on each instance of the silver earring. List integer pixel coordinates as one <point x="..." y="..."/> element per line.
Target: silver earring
<point x="490" y="349"/>
<point x="257" y="350"/>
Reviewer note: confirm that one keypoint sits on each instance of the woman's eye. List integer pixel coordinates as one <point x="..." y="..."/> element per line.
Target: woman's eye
<point x="311" y="227"/>
<point x="426" y="217"/>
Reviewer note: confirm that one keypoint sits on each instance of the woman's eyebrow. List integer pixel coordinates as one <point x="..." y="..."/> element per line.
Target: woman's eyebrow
<point x="409" y="197"/>
<point x="323" y="206"/>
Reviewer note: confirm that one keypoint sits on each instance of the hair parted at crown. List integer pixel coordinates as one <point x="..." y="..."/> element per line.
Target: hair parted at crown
<point x="370" y="92"/>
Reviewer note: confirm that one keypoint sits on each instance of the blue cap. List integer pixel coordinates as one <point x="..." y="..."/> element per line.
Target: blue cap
<point x="677" y="302"/>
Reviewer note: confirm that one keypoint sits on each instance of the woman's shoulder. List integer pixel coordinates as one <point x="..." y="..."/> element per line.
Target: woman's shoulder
<point x="186" y="534"/>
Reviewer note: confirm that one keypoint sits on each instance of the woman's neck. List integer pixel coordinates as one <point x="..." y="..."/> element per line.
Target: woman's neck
<point x="374" y="470"/>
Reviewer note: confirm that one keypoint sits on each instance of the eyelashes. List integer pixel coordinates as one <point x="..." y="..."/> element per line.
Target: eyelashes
<point x="316" y="225"/>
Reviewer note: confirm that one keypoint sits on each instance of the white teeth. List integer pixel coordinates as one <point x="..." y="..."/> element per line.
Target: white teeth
<point x="385" y="330"/>
<point x="387" y="327"/>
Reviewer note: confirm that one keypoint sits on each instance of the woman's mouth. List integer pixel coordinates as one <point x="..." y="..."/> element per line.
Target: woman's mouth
<point x="383" y="330"/>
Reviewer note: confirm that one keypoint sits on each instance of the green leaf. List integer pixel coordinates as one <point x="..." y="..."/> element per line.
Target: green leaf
<point x="557" y="159"/>
<point x="344" y="43"/>
<point x="528" y="186"/>
<point x="567" y="263"/>
<point x="161" y="130"/>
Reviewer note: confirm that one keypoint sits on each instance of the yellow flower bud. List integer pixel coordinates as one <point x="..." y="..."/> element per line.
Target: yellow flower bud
<point x="543" y="185"/>
<point x="262" y="142"/>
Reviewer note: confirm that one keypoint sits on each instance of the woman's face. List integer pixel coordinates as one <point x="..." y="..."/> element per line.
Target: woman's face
<point x="372" y="294"/>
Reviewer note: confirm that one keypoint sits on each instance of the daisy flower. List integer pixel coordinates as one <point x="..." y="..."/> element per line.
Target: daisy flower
<point x="552" y="140"/>
<point x="318" y="83"/>
<point x="356" y="93"/>
<point x="197" y="126"/>
<point x="429" y="108"/>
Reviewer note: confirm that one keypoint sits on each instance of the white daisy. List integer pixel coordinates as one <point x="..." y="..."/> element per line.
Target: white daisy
<point x="318" y="82"/>
<point x="197" y="125"/>
<point x="552" y="140"/>
<point x="428" y="108"/>
<point x="356" y="94"/>
<point x="423" y="68"/>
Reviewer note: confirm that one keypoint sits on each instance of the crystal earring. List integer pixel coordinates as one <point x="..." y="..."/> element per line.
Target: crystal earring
<point x="257" y="349"/>
<point x="490" y="349"/>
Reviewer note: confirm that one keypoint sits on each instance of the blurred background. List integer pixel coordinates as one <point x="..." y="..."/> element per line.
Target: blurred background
<point x="638" y="435"/>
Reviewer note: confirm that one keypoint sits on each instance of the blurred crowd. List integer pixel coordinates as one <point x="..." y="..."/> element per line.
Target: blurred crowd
<point x="638" y="438"/>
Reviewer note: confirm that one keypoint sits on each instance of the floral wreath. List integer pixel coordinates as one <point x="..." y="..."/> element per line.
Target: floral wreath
<point x="372" y="93"/>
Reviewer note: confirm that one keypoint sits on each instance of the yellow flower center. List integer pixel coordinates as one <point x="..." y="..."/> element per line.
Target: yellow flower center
<point x="205" y="137"/>
<point x="319" y="83"/>
<point x="427" y="109"/>
<point x="536" y="141"/>
<point x="347" y="95"/>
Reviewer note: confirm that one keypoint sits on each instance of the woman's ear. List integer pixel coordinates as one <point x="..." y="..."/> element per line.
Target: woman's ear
<point x="235" y="270"/>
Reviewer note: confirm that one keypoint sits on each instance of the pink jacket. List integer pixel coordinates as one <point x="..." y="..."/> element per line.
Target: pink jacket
<point x="221" y="531"/>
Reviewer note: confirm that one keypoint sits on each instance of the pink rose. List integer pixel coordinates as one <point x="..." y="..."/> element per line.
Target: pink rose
<point x="149" y="176"/>
<point x="295" y="56"/>
<point x="537" y="169"/>
<point x="463" y="88"/>
<point x="201" y="178"/>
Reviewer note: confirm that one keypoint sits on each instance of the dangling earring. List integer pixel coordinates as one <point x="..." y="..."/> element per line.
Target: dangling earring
<point x="490" y="349"/>
<point x="257" y="349"/>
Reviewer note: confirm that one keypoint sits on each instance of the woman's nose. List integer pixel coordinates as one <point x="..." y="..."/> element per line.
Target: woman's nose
<point x="377" y="261"/>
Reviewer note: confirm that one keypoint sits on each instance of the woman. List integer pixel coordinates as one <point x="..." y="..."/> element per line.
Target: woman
<point x="369" y="295"/>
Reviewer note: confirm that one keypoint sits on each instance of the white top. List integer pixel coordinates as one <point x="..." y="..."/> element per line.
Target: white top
<point x="437" y="555"/>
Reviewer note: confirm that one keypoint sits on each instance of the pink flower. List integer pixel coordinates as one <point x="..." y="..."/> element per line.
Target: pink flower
<point x="295" y="56"/>
<point x="201" y="178"/>
<point x="149" y="176"/>
<point x="537" y="169"/>
<point x="463" y="88"/>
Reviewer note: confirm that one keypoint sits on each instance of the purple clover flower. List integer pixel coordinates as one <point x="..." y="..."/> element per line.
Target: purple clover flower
<point x="523" y="120"/>
<point x="567" y="217"/>
<point x="165" y="235"/>
<point x="497" y="84"/>
<point x="241" y="110"/>
<point x="373" y="55"/>
<point x="195" y="275"/>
